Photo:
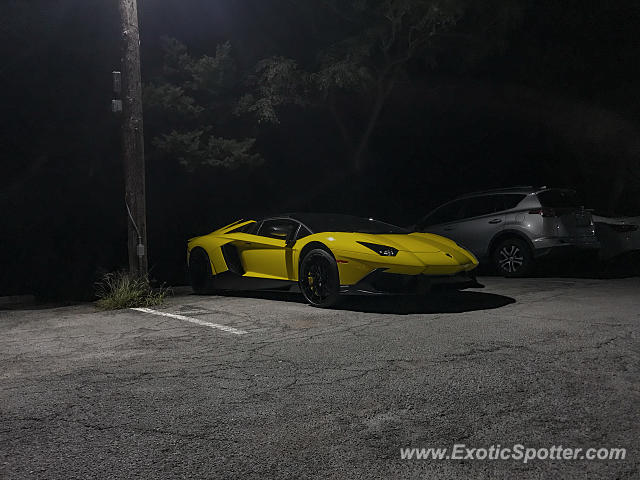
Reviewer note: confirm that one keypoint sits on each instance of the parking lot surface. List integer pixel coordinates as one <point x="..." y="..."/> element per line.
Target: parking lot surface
<point x="265" y="386"/>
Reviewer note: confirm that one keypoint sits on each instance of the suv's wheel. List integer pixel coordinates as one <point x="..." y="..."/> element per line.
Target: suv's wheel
<point x="512" y="257"/>
<point x="200" y="272"/>
<point x="319" y="278"/>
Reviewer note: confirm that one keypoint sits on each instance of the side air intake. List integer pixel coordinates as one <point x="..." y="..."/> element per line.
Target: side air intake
<point x="232" y="259"/>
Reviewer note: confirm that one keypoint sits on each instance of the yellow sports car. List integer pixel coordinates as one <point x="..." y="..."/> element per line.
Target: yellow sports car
<point x="326" y="256"/>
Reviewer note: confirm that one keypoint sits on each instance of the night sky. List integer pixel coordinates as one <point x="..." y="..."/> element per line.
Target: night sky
<point x="518" y="93"/>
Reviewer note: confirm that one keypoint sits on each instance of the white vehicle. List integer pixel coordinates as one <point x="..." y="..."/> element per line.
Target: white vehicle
<point x="514" y="227"/>
<point x="617" y="235"/>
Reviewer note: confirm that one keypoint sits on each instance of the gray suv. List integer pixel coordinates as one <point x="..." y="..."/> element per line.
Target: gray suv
<point x="512" y="227"/>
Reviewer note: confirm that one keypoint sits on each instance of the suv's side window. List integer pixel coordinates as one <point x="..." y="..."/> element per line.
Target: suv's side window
<point x="488" y="204"/>
<point x="472" y="207"/>
<point x="479" y="206"/>
<point x="278" y="228"/>
<point x="447" y="213"/>
<point x="511" y="200"/>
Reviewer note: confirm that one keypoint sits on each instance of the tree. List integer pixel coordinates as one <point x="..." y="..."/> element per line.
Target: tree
<point x="189" y="109"/>
<point x="377" y="40"/>
<point x="368" y="48"/>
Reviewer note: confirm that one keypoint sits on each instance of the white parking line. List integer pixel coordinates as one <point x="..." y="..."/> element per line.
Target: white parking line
<point x="217" y="326"/>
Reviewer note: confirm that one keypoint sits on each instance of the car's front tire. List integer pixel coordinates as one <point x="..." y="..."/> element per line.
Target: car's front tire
<point x="512" y="257"/>
<point x="319" y="279"/>
<point x="200" y="272"/>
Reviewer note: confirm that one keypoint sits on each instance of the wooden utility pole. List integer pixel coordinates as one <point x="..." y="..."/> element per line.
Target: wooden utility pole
<point x="133" y="138"/>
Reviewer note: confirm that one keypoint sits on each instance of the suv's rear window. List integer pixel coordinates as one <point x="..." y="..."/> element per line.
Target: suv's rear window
<point x="559" y="199"/>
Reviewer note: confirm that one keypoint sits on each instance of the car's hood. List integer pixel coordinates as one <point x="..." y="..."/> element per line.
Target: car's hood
<point x="409" y="243"/>
<point x="413" y="242"/>
<point x="417" y="244"/>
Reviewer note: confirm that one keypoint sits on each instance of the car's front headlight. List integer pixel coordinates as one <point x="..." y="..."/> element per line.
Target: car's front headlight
<point x="383" y="250"/>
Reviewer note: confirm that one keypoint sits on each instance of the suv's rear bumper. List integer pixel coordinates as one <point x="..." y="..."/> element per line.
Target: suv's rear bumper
<point x="544" y="246"/>
<point x="380" y="283"/>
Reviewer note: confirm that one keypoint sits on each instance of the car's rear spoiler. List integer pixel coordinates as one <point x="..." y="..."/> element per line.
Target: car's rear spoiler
<point x="221" y="228"/>
<point x="231" y="224"/>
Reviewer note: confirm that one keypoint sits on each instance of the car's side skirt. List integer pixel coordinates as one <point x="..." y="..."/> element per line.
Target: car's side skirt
<point x="233" y="281"/>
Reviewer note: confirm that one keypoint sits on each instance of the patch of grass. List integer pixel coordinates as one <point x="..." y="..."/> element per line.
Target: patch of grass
<point x="121" y="290"/>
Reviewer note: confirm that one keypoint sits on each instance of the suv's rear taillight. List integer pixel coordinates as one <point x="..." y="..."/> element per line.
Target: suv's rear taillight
<point x="545" y="212"/>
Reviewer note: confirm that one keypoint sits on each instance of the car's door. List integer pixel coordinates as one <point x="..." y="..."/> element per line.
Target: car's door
<point x="471" y="222"/>
<point x="264" y="254"/>
<point x="442" y="220"/>
<point x="482" y="218"/>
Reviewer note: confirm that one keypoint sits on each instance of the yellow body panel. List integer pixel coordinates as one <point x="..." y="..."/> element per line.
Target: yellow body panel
<point x="265" y="257"/>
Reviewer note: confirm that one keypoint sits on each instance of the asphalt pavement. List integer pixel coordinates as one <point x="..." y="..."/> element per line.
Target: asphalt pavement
<point x="264" y="386"/>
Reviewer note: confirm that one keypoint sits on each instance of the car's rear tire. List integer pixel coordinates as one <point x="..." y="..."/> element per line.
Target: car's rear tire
<point x="319" y="279"/>
<point x="512" y="257"/>
<point x="200" y="272"/>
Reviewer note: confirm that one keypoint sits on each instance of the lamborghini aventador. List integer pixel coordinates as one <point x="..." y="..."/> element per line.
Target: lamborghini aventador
<point x="326" y="256"/>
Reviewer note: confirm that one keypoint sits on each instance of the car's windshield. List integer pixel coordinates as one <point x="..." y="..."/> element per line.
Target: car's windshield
<point x="319" y="222"/>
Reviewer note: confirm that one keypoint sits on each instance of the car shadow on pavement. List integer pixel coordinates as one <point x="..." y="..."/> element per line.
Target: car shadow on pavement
<point x="442" y="302"/>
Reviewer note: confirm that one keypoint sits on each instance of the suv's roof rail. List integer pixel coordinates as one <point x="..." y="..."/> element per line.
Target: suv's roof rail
<point x="503" y="190"/>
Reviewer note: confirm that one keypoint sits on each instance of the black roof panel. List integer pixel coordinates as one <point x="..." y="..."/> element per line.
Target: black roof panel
<point x="335" y="222"/>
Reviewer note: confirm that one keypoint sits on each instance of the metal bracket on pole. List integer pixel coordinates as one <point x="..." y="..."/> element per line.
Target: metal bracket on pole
<point x="117" y="82"/>
<point x="140" y="246"/>
<point x="116" y="103"/>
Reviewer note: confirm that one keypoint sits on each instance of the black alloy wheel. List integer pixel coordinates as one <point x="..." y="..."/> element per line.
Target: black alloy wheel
<point x="319" y="279"/>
